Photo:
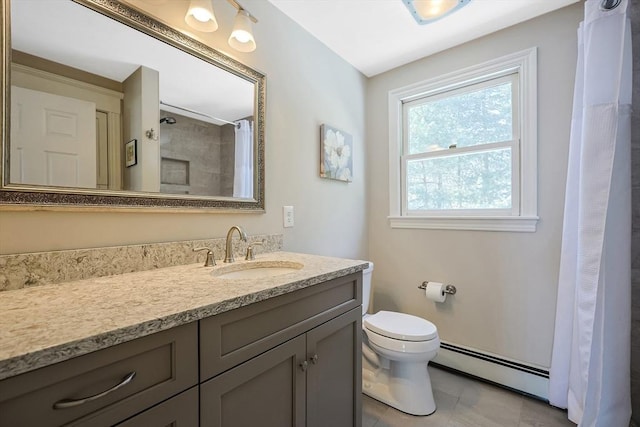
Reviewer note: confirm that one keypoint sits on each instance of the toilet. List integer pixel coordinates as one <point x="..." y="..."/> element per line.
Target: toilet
<point x="396" y="349"/>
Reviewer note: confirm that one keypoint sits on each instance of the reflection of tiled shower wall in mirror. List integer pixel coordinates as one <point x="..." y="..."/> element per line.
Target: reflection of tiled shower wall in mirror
<point x="197" y="157"/>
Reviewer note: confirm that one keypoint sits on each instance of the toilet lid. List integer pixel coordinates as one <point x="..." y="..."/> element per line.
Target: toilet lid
<point x="401" y="326"/>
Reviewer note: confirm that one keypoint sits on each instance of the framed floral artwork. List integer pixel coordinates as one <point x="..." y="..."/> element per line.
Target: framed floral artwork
<point x="336" y="148"/>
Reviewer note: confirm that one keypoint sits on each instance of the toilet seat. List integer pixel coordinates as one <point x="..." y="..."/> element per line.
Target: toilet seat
<point x="401" y="326"/>
<point x="400" y="332"/>
<point x="378" y="342"/>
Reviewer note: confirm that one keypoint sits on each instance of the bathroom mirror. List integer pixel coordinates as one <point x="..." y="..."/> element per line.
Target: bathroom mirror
<point x="106" y="106"/>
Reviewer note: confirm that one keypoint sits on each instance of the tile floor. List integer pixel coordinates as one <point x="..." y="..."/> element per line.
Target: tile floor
<point x="465" y="402"/>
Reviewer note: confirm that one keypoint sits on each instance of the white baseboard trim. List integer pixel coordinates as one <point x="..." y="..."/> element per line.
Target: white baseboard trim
<point x="516" y="375"/>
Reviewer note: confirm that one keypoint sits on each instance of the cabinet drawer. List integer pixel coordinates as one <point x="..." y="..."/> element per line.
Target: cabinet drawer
<point x="231" y="338"/>
<point x="164" y="363"/>
<point x="180" y="411"/>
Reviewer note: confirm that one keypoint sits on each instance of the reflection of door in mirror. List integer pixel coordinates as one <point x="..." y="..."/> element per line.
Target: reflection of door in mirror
<point x="54" y="139"/>
<point x="57" y="82"/>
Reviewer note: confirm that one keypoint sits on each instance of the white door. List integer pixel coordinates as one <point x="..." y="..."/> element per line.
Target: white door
<point x="53" y="140"/>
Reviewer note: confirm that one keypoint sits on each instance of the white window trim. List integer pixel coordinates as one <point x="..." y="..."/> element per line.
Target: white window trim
<point x="525" y="64"/>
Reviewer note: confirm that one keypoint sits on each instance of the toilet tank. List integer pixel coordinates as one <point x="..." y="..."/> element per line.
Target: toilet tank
<point x="366" y="287"/>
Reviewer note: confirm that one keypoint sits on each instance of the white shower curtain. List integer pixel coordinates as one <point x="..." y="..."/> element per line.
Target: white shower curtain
<point x="243" y="172"/>
<point x="590" y="372"/>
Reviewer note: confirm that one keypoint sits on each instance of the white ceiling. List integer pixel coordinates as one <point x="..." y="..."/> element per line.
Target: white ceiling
<point x="378" y="35"/>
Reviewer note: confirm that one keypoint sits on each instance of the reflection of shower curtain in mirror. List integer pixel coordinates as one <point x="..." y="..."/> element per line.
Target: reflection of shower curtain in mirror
<point x="243" y="173"/>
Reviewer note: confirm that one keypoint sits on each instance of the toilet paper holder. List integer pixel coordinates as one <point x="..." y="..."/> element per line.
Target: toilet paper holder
<point x="449" y="289"/>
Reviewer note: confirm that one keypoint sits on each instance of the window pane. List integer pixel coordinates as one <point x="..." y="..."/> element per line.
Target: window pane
<point x="468" y="181"/>
<point x="466" y="119"/>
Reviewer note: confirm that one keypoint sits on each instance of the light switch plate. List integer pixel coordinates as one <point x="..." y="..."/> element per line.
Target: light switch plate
<point x="287" y="216"/>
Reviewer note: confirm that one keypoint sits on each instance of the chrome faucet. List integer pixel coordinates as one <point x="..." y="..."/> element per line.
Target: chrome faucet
<point x="228" y="252"/>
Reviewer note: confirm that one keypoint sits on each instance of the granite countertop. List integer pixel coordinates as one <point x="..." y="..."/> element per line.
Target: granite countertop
<point x="47" y="324"/>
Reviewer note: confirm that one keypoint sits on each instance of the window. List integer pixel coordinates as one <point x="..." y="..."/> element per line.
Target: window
<point x="463" y="149"/>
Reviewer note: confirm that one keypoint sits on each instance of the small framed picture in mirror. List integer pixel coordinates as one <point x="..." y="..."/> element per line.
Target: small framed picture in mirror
<point x="336" y="148"/>
<point x="131" y="153"/>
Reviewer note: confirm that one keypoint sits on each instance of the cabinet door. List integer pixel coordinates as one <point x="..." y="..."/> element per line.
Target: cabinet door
<point x="179" y="411"/>
<point x="266" y="391"/>
<point x="334" y="377"/>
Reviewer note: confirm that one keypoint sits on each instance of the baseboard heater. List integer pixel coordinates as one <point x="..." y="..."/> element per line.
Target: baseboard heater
<point x="518" y="376"/>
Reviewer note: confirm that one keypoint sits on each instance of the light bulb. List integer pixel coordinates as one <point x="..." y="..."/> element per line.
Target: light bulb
<point x="241" y="36"/>
<point x="201" y="15"/>
<point x="433" y="8"/>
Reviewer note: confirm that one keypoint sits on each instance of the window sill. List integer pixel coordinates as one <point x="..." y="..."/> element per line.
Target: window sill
<point x="520" y="224"/>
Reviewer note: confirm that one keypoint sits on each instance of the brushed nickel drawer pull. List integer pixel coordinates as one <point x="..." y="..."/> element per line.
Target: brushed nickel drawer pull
<point x="70" y="403"/>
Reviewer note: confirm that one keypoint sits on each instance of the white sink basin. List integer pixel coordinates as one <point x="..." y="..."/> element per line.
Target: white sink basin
<point x="256" y="269"/>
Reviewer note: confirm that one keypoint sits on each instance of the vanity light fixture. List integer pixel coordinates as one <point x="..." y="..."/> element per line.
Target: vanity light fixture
<point x="427" y="11"/>
<point x="200" y="16"/>
<point x="241" y="38"/>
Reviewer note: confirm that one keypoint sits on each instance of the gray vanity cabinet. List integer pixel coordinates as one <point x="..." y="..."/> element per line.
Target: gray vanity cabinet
<point x="294" y="360"/>
<point x="291" y="360"/>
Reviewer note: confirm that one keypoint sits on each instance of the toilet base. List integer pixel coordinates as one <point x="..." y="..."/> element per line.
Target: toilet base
<point x="404" y="386"/>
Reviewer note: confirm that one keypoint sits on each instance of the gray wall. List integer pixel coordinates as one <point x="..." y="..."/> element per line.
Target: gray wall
<point x="635" y="200"/>
<point x="507" y="282"/>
